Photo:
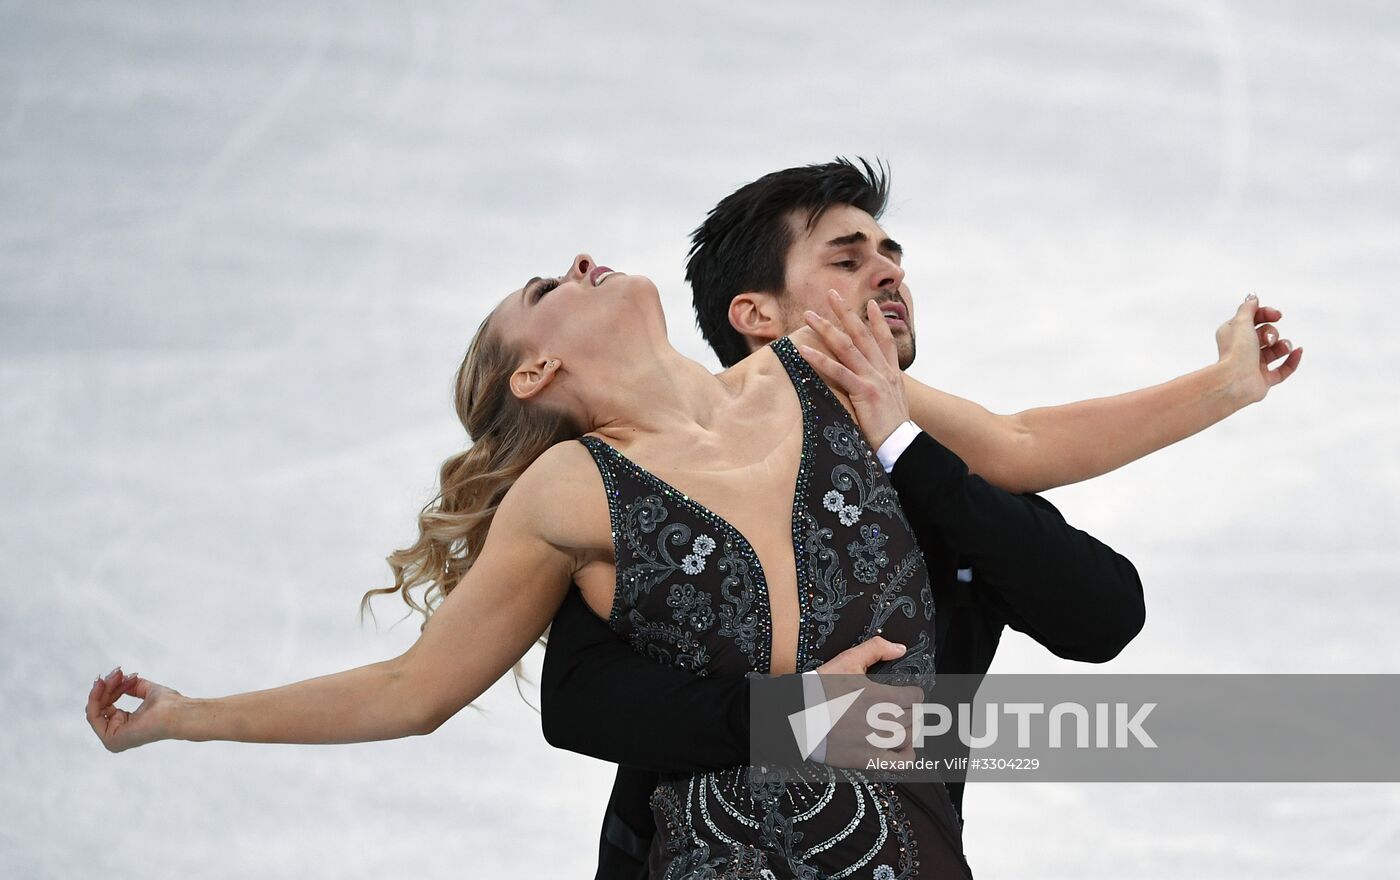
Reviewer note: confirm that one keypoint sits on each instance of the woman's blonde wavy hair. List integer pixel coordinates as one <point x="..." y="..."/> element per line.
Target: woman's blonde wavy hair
<point x="507" y="435"/>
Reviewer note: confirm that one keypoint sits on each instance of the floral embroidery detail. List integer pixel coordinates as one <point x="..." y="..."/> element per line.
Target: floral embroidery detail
<point x="872" y="493"/>
<point x="667" y="643"/>
<point x="916" y="666"/>
<point x="694" y="562"/>
<point x="873" y="488"/>
<point x="695" y="864"/>
<point x="893" y="597"/>
<point x="652" y="561"/>
<point x="827" y="590"/>
<point x="883" y="872"/>
<point x="847" y="443"/>
<point x="738" y="617"/>
<point x="691" y="606"/>
<point x="867" y="554"/>
<point x="835" y="502"/>
<point x="767" y="783"/>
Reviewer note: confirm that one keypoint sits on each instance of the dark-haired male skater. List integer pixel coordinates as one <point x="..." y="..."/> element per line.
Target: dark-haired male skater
<point x="768" y="252"/>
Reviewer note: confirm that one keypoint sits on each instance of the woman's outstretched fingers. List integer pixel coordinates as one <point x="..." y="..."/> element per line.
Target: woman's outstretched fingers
<point x="1277" y="351"/>
<point x="856" y="330"/>
<point x="98" y="706"/>
<point x="102" y="712"/>
<point x="884" y="339"/>
<point x="1286" y="369"/>
<point x="104" y="686"/>
<point x="116" y="688"/>
<point x="102" y="698"/>
<point x="838" y="341"/>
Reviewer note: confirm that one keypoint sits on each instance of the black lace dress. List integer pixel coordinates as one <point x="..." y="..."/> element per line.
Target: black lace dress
<point x="691" y="593"/>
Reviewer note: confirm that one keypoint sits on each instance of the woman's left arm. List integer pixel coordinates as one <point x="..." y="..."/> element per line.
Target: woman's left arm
<point x="1068" y="590"/>
<point x="1046" y="447"/>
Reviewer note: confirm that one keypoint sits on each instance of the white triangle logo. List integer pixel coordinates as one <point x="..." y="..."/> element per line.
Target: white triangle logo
<point x="810" y="726"/>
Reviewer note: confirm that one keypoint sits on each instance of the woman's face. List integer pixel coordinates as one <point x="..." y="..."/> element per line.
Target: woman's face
<point x="581" y="319"/>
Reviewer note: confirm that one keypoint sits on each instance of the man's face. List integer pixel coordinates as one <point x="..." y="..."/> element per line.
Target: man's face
<point x="847" y="251"/>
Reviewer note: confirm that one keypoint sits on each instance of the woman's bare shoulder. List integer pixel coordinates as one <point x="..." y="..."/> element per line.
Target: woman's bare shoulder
<point x="567" y="465"/>
<point x="561" y="493"/>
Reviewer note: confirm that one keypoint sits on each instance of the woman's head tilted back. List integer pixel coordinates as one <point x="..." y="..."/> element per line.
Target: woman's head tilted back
<point x="573" y="333"/>
<point x="517" y="394"/>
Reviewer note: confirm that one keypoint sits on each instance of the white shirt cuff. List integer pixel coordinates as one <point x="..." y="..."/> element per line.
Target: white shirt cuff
<point x="813" y="694"/>
<point x="895" y="444"/>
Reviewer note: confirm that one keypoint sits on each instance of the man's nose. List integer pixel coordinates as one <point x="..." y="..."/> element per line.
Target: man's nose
<point x="582" y="265"/>
<point x="890" y="276"/>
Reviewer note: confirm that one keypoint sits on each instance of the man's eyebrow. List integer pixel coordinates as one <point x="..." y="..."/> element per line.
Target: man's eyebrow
<point x="845" y="240"/>
<point x="525" y="291"/>
<point x="857" y="237"/>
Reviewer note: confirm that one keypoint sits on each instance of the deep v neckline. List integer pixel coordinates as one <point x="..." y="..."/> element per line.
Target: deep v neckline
<point x="799" y="495"/>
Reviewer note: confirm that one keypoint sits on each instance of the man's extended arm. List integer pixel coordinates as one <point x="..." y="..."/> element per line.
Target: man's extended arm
<point x="600" y="698"/>
<point x="1042" y="448"/>
<point x="1063" y="587"/>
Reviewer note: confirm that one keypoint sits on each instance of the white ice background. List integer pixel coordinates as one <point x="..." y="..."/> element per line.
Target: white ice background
<point x="243" y="246"/>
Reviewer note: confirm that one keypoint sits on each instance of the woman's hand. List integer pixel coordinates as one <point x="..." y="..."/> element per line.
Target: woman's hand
<point x="866" y="367"/>
<point x="1248" y="343"/>
<point x="119" y="729"/>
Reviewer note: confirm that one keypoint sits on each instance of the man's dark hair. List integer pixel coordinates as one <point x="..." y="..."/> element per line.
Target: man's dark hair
<point x="743" y="243"/>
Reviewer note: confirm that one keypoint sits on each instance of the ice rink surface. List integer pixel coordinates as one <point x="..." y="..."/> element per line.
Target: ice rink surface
<point x="243" y="246"/>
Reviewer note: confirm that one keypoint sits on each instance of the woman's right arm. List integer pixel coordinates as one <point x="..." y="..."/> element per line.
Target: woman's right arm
<point x="487" y="623"/>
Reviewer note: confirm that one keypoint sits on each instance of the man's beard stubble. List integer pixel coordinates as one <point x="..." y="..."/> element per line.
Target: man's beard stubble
<point x="905" y="347"/>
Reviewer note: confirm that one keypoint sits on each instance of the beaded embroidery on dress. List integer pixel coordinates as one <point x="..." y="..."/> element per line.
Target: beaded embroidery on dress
<point x="691" y="593"/>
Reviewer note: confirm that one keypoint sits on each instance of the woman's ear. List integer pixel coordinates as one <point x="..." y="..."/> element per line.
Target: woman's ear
<point x="757" y="317"/>
<point x="533" y="377"/>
